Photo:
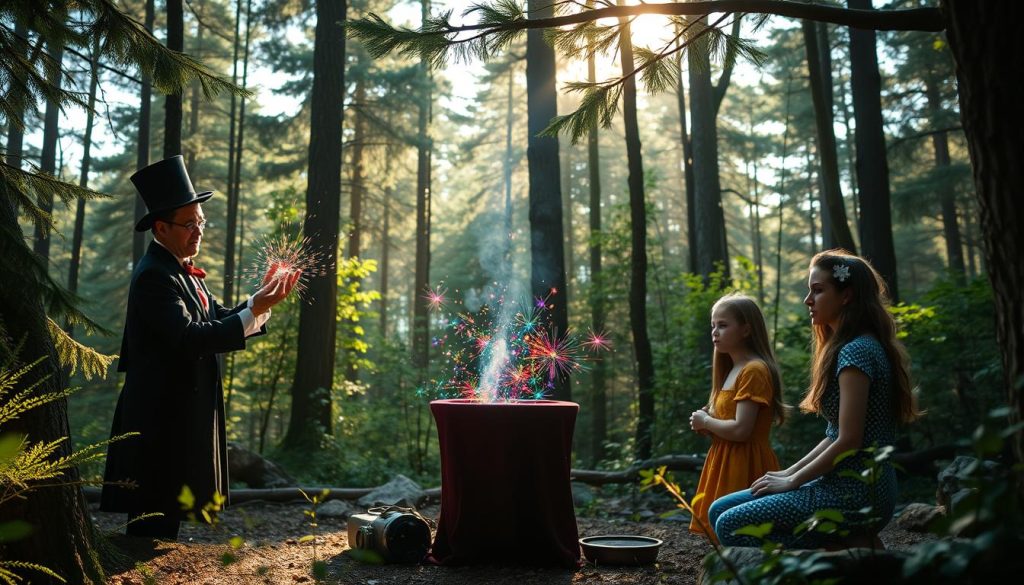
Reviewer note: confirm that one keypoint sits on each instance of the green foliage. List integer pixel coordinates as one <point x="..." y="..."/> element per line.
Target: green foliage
<point x="353" y="302"/>
<point x="26" y="466"/>
<point x="955" y="360"/>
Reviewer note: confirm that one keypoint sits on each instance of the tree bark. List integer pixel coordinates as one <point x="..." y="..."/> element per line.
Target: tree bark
<point x="947" y="194"/>
<point x="15" y="127"/>
<point x="872" y="164"/>
<point x="230" y="233"/>
<point x="638" y="255"/>
<point x="709" y="221"/>
<point x="385" y="255"/>
<point x="987" y="69"/>
<point x="172" y="103"/>
<point x="142" y="146"/>
<point x="691" y="216"/>
<point x="62" y="536"/>
<point x="834" y="226"/>
<point x="314" y="369"/>
<point x="83" y="181"/>
<point x="547" y="264"/>
<point x="598" y="374"/>
<point x="355" y="209"/>
<point x="421" y="282"/>
<point x="48" y="160"/>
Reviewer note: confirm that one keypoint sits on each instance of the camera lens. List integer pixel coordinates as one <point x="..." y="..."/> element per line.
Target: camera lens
<point x="406" y="538"/>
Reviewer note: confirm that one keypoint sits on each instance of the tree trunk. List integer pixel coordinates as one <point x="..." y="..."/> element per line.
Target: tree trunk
<point x="193" y="109"/>
<point x="142" y="146"/>
<point x="62" y="536"/>
<point x="872" y="164"/>
<point x="385" y="254"/>
<point x="356" y="196"/>
<point x="172" y="103"/>
<point x="239" y="150"/>
<point x="547" y="263"/>
<point x="48" y="161"/>
<point x="598" y="374"/>
<point x="83" y="181"/>
<point x="709" y="221"/>
<point x="314" y="368"/>
<point x="947" y="194"/>
<point x="15" y="128"/>
<point x="507" y="170"/>
<point x="987" y="69"/>
<point x="638" y="255"/>
<point x="420" y="318"/>
<point x="231" y="218"/>
<point x="835" y="229"/>
<point x="691" y="217"/>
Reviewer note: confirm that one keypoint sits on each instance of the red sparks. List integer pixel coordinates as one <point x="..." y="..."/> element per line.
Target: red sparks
<point x="435" y="297"/>
<point x="597" y="341"/>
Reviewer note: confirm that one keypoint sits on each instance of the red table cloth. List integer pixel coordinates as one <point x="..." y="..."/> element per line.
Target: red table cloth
<point x="505" y="494"/>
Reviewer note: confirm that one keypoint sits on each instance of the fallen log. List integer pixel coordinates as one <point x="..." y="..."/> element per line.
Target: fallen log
<point x="241" y="495"/>
<point x="632" y="473"/>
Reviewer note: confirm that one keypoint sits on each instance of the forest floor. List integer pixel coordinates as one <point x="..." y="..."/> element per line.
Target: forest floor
<point x="275" y="552"/>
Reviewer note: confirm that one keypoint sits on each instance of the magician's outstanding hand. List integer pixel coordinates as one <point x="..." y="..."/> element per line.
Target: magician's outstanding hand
<point x="275" y="289"/>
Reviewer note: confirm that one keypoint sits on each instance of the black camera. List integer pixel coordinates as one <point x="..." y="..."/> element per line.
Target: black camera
<point x="398" y="535"/>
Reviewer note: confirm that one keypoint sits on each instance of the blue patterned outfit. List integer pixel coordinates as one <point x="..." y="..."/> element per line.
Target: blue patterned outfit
<point x="832" y="491"/>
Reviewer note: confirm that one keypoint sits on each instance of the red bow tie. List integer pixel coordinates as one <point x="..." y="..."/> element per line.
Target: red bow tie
<point x="193" y="271"/>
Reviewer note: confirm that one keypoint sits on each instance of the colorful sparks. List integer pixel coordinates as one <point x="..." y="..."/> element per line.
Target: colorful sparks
<point x="435" y="297"/>
<point x="597" y="341"/>
<point x="288" y="256"/>
<point x="499" y="354"/>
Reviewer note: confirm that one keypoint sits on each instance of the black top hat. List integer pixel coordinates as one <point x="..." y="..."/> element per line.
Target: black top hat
<point x="165" y="186"/>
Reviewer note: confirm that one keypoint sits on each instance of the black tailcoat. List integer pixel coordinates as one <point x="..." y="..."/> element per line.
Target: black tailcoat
<point x="172" y="392"/>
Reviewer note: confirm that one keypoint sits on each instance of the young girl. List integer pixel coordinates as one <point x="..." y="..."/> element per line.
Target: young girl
<point x="860" y="385"/>
<point x="746" y="393"/>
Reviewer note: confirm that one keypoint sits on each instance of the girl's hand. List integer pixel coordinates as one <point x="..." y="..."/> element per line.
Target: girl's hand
<point x="698" y="420"/>
<point x="771" y="484"/>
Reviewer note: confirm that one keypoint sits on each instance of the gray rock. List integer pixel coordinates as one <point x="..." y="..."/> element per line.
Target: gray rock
<point x="334" y="509"/>
<point x="917" y="516"/>
<point x="954" y="484"/>
<point x="257" y="472"/>
<point x="400" y="491"/>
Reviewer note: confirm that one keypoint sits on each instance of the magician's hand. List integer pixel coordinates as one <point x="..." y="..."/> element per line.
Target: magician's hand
<point x="274" y="290"/>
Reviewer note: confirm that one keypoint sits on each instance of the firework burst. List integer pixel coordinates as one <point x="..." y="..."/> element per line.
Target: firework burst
<point x="499" y="354"/>
<point x="435" y="297"/>
<point x="287" y="256"/>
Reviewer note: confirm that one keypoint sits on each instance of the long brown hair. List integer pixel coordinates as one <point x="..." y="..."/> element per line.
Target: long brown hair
<point x="865" y="313"/>
<point x="746" y="312"/>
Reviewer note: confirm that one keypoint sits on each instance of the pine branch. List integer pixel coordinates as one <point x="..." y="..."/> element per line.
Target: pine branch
<point x="128" y="43"/>
<point x="73" y="354"/>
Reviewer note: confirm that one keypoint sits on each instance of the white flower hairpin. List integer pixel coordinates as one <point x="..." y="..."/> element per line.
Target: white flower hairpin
<point x="841" y="272"/>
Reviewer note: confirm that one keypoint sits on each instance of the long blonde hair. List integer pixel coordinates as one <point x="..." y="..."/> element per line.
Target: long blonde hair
<point x="746" y="312"/>
<point x="866" y="312"/>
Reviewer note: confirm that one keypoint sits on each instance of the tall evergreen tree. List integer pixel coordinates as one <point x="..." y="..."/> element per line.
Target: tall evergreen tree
<point x="638" y="252"/>
<point x="172" y="102"/>
<point x="834" y="226"/>
<point x="547" y="251"/>
<point x="314" y="370"/>
<point x="872" y="161"/>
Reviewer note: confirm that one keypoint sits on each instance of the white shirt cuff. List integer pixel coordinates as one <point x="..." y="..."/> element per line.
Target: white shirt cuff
<point x="251" y="323"/>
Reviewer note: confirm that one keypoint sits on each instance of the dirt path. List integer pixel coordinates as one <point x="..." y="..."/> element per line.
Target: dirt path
<point x="273" y="554"/>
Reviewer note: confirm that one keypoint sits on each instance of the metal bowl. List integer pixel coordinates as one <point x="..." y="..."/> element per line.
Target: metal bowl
<point x="620" y="549"/>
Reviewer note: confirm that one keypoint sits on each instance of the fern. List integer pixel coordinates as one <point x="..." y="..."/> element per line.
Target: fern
<point x="7" y="575"/>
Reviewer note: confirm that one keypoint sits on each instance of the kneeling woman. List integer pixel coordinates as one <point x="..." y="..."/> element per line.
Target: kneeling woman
<point x="860" y="385"/>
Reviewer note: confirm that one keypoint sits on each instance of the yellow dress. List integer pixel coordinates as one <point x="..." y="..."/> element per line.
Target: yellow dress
<point x="732" y="466"/>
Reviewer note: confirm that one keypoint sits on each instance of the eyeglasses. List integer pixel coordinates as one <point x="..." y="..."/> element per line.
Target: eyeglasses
<point x="191" y="226"/>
